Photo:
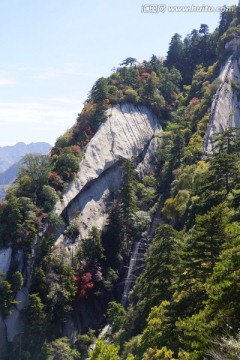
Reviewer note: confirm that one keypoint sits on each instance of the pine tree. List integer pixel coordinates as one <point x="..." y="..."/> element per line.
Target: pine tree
<point x="162" y="261"/>
<point x="204" y="243"/>
<point x="99" y="91"/>
<point x="112" y="237"/>
<point x="128" y="197"/>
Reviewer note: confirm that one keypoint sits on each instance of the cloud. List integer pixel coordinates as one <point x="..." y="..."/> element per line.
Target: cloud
<point x="6" y="81"/>
<point x="68" y="69"/>
<point x="41" y="112"/>
<point x="67" y="101"/>
<point x="40" y="120"/>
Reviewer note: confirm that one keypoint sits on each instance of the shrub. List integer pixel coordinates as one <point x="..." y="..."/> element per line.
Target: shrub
<point x="47" y="198"/>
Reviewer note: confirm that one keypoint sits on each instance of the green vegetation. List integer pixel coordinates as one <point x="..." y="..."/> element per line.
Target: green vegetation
<point x="185" y="305"/>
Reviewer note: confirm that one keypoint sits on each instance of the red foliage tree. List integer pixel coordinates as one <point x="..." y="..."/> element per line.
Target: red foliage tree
<point x="75" y="149"/>
<point x="83" y="284"/>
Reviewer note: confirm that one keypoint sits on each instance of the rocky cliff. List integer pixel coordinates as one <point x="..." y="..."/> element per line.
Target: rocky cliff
<point x="127" y="133"/>
<point x="225" y="110"/>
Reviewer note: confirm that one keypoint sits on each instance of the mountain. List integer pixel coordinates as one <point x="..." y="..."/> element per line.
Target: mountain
<point x="125" y="239"/>
<point x="11" y="154"/>
<point x="9" y="175"/>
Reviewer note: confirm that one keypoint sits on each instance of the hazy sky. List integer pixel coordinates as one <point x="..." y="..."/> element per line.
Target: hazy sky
<point x="52" y="52"/>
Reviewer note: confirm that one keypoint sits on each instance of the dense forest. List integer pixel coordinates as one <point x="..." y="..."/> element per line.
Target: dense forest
<point x="185" y="300"/>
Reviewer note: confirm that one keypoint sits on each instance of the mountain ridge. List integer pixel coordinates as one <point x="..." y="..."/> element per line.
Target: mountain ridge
<point x="13" y="153"/>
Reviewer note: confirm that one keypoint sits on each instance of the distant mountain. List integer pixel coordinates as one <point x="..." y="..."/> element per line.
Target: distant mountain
<point x="3" y="189"/>
<point x="9" y="175"/>
<point x="12" y="154"/>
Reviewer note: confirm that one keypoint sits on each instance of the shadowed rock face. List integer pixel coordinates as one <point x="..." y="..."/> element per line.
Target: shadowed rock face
<point x="127" y="133"/>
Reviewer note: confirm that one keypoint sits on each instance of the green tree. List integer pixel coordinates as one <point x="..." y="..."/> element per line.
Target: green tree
<point x="177" y="149"/>
<point x="150" y="89"/>
<point x="157" y="331"/>
<point x="129" y="61"/>
<point x="204" y="29"/>
<point x="6" y="298"/>
<point x="99" y="91"/>
<point x="61" y="288"/>
<point x="92" y="246"/>
<point x="36" y="318"/>
<point x="10" y="219"/>
<point x="128" y="197"/>
<point x="112" y="237"/>
<point x="115" y="315"/>
<point x="39" y="283"/>
<point x="156" y="64"/>
<point x="17" y="281"/>
<point x="37" y="168"/>
<point x="175" y="52"/>
<point x="224" y="172"/>
<point x="201" y="252"/>
<point x="59" y="349"/>
<point x="67" y="164"/>
<point x="161" y="264"/>
<point x="47" y="198"/>
<point x="104" y="351"/>
<point x="227" y="140"/>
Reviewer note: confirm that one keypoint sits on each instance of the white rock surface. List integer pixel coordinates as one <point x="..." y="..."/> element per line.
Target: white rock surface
<point x="225" y="110"/>
<point x="126" y="132"/>
<point x="93" y="202"/>
<point x="5" y="260"/>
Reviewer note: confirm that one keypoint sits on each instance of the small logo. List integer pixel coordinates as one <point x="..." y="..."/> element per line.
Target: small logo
<point x="153" y="8"/>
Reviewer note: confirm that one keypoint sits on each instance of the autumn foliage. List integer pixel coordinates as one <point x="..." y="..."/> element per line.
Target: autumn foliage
<point x="83" y="284"/>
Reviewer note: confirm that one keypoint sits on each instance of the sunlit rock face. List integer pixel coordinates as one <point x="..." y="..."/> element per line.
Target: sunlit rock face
<point x="127" y="133"/>
<point x="225" y="111"/>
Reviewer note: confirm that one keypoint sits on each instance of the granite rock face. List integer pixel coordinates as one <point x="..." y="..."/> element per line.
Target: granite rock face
<point x="225" y="111"/>
<point x="127" y="133"/>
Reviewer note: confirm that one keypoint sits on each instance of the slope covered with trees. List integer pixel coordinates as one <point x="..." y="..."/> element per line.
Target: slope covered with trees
<point x="185" y="305"/>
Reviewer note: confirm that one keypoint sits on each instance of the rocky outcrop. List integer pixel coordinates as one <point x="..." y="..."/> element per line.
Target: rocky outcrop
<point x="127" y="133"/>
<point x="225" y="111"/>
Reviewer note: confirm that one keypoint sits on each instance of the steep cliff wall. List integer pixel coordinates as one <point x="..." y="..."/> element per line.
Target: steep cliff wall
<point x="127" y="133"/>
<point x="225" y="109"/>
